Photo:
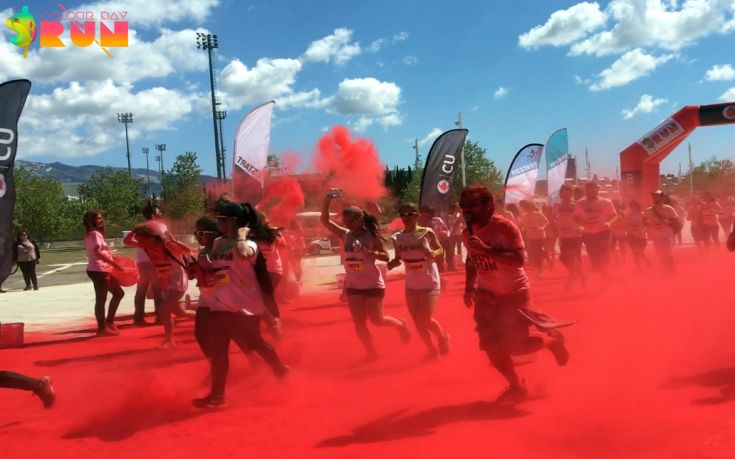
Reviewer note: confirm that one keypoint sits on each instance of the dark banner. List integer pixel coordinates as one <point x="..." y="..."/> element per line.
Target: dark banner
<point x="717" y="114"/>
<point x="442" y="162"/>
<point x="12" y="99"/>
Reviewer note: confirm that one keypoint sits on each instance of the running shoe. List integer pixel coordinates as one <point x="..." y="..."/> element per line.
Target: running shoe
<point x="558" y="348"/>
<point x="209" y="403"/>
<point x="111" y="326"/>
<point x="45" y="392"/>
<point x="512" y="394"/>
<point x="282" y="371"/>
<point x="444" y="344"/>
<point x="107" y="332"/>
<point x="405" y="334"/>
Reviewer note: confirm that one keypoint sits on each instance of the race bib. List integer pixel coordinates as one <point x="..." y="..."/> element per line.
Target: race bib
<point x="221" y="278"/>
<point x="163" y="271"/>
<point x="354" y="266"/>
<point x="416" y="266"/>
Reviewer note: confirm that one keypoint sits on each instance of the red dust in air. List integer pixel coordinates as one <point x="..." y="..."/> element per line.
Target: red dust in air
<point x="395" y="225"/>
<point x="282" y="200"/>
<point x="350" y="164"/>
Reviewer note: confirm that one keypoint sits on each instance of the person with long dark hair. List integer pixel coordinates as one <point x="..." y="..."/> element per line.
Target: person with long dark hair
<point x="27" y="255"/>
<point x="242" y="293"/>
<point x="99" y="266"/>
<point x="417" y="247"/>
<point x="364" y="284"/>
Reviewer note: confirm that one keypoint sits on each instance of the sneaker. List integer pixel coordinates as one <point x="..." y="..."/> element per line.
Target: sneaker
<point x="444" y="344"/>
<point x="558" y="348"/>
<point x="405" y="334"/>
<point x="209" y="403"/>
<point x="431" y="355"/>
<point x="512" y="394"/>
<point x="45" y="392"/>
<point x="111" y="326"/>
<point x="28" y="287"/>
<point x="35" y="287"/>
<point x="282" y="371"/>
<point x="140" y="323"/>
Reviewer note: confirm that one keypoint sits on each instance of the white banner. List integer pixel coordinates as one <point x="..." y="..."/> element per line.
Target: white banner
<point x="252" y="141"/>
<point x="520" y="182"/>
<point x="555" y="178"/>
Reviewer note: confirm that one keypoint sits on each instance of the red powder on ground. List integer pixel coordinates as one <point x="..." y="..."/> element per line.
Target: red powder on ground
<point x="352" y="165"/>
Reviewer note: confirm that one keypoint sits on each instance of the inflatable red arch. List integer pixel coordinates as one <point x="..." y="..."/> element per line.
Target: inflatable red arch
<point x="639" y="163"/>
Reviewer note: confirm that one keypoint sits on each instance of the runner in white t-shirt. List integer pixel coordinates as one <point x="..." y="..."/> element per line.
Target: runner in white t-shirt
<point x="498" y="288"/>
<point x="570" y="236"/>
<point x="635" y="227"/>
<point x="595" y="214"/>
<point x="238" y="301"/>
<point x="417" y="247"/>
<point x="659" y="219"/>
<point x="364" y="285"/>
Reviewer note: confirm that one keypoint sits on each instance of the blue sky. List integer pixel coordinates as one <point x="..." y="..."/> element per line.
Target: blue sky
<point x="390" y="70"/>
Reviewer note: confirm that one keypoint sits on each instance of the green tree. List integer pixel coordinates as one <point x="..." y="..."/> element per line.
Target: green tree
<point x="714" y="175"/>
<point x="183" y="196"/>
<point x="117" y="195"/>
<point x="40" y="206"/>
<point x="479" y="170"/>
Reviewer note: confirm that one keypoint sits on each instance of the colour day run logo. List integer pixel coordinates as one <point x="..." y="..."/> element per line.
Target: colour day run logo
<point x="82" y="25"/>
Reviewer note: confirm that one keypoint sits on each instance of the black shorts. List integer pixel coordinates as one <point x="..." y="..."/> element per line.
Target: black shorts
<point x="369" y="292"/>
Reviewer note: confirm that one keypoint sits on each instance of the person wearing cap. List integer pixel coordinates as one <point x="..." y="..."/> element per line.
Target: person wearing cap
<point x="596" y="214"/>
<point x="660" y="220"/>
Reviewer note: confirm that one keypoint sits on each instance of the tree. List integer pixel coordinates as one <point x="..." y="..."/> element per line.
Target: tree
<point x="183" y="196"/>
<point x="714" y="175"/>
<point x="479" y="171"/>
<point x="117" y="195"/>
<point x="40" y="206"/>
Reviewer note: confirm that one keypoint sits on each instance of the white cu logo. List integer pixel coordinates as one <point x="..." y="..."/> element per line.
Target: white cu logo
<point x="8" y="141"/>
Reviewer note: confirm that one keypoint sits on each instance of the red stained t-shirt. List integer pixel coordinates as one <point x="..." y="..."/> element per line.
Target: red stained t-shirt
<point x="500" y="234"/>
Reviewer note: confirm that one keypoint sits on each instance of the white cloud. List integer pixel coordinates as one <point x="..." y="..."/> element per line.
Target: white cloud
<point x="646" y="105"/>
<point x="720" y="73"/>
<point x="269" y="79"/>
<point x="362" y="124"/>
<point x="147" y="13"/>
<point x="565" y="26"/>
<point x="392" y="119"/>
<point x="376" y="45"/>
<point x="500" y="93"/>
<point x="630" y="66"/>
<point x="410" y="60"/>
<point x="84" y="115"/>
<point x="728" y="95"/>
<point x="172" y="52"/>
<point x="654" y="23"/>
<point x="430" y="137"/>
<point x="366" y="96"/>
<point x="336" y="47"/>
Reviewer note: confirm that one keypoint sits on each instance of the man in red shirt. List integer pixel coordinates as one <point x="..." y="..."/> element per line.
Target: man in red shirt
<point x="498" y="288"/>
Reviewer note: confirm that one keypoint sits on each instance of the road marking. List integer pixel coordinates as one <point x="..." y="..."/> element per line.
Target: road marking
<point x="71" y="264"/>
<point x="63" y="267"/>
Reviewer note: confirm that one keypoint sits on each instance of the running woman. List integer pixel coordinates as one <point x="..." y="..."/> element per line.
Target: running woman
<point x="659" y="219"/>
<point x="497" y="287"/>
<point x="206" y="232"/>
<point x="418" y="247"/>
<point x="570" y="236"/>
<point x="364" y="284"/>
<point x="238" y="302"/>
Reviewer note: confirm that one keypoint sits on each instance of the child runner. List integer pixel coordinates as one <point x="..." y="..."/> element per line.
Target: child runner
<point x="498" y="288"/>
<point x="364" y="284"/>
<point x="418" y="247"/>
<point x="238" y="302"/>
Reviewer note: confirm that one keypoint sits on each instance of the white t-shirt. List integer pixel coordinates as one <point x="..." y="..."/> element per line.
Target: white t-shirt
<point x="422" y="272"/>
<point x="236" y="287"/>
<point x="656" y="222"/>
<point x="594" y="215"/>
<point x="566" y="225"/>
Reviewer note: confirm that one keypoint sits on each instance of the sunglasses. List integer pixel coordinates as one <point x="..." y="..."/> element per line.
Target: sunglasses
<point x="223" y="218"/>
<point x="203" y="233"/>
<point x="408" y="214"/>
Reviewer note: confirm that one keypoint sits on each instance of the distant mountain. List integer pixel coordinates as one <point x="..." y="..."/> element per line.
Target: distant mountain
<point x="73" y="176"/>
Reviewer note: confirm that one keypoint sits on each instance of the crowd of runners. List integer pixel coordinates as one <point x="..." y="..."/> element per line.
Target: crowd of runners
<point x="243" y="259"/>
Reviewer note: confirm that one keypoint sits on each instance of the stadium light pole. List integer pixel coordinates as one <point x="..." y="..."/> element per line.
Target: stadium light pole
<point x="161" y="147"/>
<point x="461" y="153"/>
<point x="126" y="118"/>
<point x="221" y="114"/>
<point x="208" y="42"/>
<point x="147" y="170"/>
